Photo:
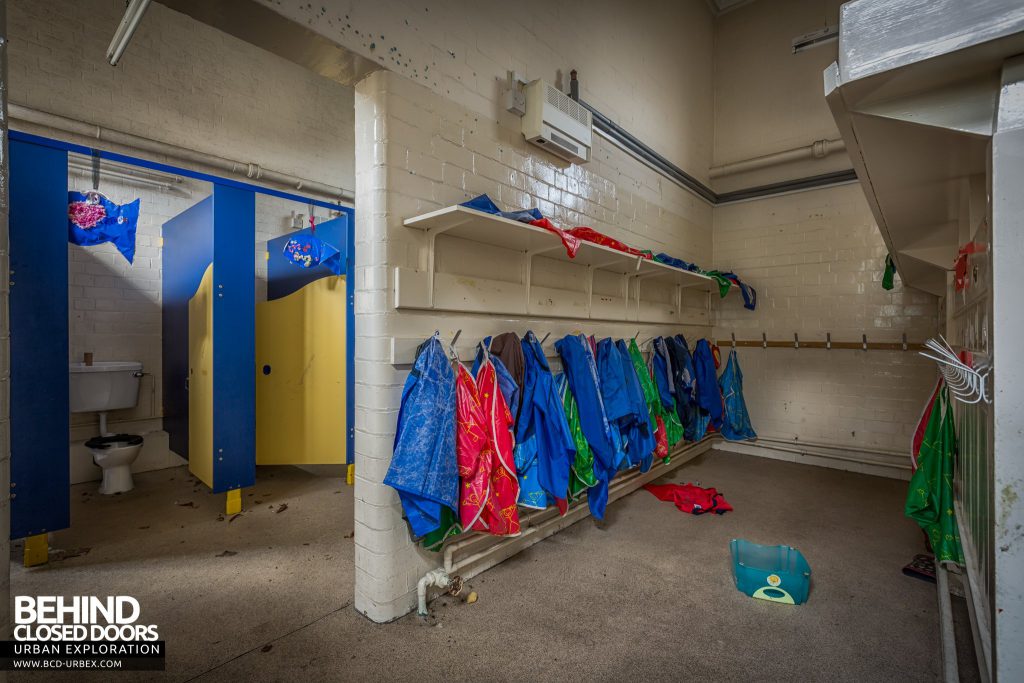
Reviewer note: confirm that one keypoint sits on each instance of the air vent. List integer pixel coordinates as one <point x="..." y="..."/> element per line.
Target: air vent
<point x="556" y="122"/>
<point x="559" y="140"/>
<point x="567" y="105"/>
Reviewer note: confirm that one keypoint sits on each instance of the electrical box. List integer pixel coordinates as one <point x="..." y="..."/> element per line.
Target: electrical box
<point x="556" y="122"/>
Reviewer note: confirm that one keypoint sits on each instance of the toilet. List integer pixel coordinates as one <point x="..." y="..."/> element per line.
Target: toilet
<point x="98" y="388"/>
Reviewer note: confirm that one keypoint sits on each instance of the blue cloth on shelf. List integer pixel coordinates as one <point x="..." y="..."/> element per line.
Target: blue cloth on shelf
<point x="638" y="434"/>
<point x="424" y="469"/>
<point x="487" y="205"/>
<point x="677" y="262"/>
<point x="708" y="395"/>
<point x="748" y="292"/>
<point x="93" y="219"/>
<point x="580" y="368"/>
<point x="736" y="423"/>
<point x="307" y="251"/>
<point x="542" y="425"/>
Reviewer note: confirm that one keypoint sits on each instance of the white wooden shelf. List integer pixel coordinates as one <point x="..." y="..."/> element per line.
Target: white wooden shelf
<point x="914" y="95"/>
<point x="432" y="290"/>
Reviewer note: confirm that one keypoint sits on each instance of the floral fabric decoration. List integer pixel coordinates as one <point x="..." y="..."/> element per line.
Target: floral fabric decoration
<point x="93" y="219"/>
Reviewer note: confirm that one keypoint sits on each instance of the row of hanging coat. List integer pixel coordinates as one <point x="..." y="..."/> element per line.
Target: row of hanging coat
<point x="472" y="446"/>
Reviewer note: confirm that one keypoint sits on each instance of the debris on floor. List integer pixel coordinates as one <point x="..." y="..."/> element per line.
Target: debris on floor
<point x="58" y="555"/>
<point x="281" y="508"/>
<point x="921" y="567"/>
<point x="185" y="504"/>
<point x="226" y="553"/>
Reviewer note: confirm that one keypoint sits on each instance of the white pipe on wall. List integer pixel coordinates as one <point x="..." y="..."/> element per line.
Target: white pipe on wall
<point x="250" y="170"/>
<point x="816" y="150"/>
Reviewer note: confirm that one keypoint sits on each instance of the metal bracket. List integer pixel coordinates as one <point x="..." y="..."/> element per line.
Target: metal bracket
<point x="734" y="340"/>
<point x="864" y="342"/>
<point x="764" y="340"/>
<point x="796" y="341"/>
<point x="828" y="341"/>
<point x="904" y="341"/>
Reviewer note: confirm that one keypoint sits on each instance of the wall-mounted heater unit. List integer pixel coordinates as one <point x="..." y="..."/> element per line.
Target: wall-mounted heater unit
<point x="557" y="123"/>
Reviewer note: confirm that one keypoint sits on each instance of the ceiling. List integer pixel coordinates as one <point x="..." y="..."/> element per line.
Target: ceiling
<point x="722" y="6"/>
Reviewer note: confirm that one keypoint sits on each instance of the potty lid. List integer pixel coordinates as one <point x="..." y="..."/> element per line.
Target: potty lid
<point x="114" y="441"/>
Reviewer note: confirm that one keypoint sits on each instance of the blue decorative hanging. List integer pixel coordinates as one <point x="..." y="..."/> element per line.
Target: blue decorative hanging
<point x="93" y="219"/>
<point x="307" y="251"/>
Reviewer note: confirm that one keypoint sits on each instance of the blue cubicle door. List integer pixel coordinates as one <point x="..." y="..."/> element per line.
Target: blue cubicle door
<point x="234" y="338"/>
<point x="284" y="277"/>
<point x="187" y="252"/>
<point x="40" y="432"/>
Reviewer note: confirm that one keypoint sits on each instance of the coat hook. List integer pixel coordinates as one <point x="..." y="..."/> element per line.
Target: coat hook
<point x="828" y="340"/>
<point x="864" y="341"/>
<point x="796" y="340"/>
<point x="764" y="340"/>
<point x="456" y="337"/>
<point x="734" y="340"/>
<point x="904" y="341"/>
<point x="545" y="338"/>
<point x="636" y="335"/>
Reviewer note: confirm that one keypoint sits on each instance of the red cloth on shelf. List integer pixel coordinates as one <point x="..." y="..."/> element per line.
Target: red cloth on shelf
<point x="962" y="282"/>
<point x="591" y="235"/>
<point x="570" y="242"/>
<point x="692" y="499"/>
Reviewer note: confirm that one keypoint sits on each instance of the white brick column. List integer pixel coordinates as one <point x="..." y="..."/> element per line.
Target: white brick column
<point x="388" y="565"/>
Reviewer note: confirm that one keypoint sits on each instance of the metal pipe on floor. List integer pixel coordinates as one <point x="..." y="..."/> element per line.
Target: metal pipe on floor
<point x="550" y="518"/>
<point x="251" y="170"/>
<point x="950" y="673"/>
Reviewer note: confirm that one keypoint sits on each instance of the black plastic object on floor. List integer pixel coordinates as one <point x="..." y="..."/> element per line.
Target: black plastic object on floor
<point x="921" y="567"/>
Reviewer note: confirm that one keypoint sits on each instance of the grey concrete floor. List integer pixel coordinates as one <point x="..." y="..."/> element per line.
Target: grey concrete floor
<point x="648" y="596"/>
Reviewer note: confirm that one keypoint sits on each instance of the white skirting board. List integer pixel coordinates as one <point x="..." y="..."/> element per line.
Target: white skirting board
<point x="877" y="463"/>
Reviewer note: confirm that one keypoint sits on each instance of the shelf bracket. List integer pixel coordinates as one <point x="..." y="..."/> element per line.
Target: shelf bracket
<point x="432" y="234"/>
<point x="528" y="271"/>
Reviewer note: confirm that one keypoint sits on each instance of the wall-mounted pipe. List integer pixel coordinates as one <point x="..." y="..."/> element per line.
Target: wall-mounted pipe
<point x="646" y="155"/>
<point x="818" y="149"/>
<point x="251" y="170"/>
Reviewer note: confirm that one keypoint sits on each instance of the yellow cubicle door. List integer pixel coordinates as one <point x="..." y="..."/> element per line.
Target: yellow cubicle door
<point x="200" y="380"/>
<point x="300" y="376"/>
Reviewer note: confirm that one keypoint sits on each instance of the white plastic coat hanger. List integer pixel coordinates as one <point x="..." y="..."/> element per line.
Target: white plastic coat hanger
<point x="966" y="383"/>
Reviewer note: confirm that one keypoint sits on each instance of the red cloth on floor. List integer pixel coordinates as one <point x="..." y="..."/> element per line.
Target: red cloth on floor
<point x="591" y="235"/>
<point x="690" y="498"/>
<point x="569" y="241"/>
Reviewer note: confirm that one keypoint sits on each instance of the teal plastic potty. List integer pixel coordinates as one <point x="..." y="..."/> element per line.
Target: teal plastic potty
<point x="777" y="573"/>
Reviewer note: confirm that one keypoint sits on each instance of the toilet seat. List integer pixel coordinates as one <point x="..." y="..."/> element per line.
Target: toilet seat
<point x="113" y="441"/>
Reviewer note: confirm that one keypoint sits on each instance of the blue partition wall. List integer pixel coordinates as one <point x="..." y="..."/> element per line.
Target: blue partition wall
<point x="40" y="431"/>
<point x="234" y="338"/>
<point x="218" y="230"/>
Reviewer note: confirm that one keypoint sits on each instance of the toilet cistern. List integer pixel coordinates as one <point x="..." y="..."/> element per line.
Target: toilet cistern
<point x="100" y="387"/>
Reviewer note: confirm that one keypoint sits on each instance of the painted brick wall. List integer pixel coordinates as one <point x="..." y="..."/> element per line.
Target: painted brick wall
<point x="180" y="82"/>
<point x="816" y="259"/>
<point x="428" y="152"/>
<point x="645" y="64"/>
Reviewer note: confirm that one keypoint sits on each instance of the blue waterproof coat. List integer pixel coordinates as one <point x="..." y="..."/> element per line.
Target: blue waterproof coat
<point x="424" y="469"/>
